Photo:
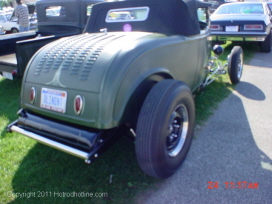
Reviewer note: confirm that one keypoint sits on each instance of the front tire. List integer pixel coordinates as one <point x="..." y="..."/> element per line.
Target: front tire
<point x="165" y="128"/>
<point x="235" y="64"/>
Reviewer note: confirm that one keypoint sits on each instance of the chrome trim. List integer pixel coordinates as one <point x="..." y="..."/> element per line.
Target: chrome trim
<point x="239" y="33"/>
<point x="178" y="130"/>
<point x="80" y="105"/>
<point x="238" y="38"/>
<point x="17" y="35"/>
<point x="34" y="94"/>
<point x="240" y="65"/>
<point x="51" y="143"/>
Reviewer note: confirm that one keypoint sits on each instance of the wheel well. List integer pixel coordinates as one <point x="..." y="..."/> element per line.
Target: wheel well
<point x="14" y="28"/>
<point x="133" y="107"/>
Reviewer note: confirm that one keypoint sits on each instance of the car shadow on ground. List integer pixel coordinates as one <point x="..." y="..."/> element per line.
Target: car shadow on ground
<point x="56" y="177"/>
<point x="226" y="161"/>
<point x="250" y="91"/>
<point x="261" y="60"/>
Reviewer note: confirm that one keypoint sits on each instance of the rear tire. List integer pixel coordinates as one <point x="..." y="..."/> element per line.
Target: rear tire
<point x="235" y="64"/>
<point x="165" y="128"/>
<point x="265" y="46"/>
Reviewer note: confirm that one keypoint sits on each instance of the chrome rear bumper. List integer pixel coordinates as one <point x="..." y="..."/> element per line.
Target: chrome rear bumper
<point x="239" y="36"/>
<point x="76" y="141"/>
<point x="51" y="143"/>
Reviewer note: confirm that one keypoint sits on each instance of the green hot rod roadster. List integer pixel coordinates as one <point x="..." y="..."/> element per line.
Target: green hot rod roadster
<point x="134" y="69"/>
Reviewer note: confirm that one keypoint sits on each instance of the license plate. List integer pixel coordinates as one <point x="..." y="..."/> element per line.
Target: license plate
<point x="232" y="28"/>
<point x="7" y="75"/>
<point x="54" y="100"/>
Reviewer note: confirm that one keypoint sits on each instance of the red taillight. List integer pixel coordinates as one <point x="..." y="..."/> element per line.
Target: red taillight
<point x="32" y="94"/>
<point x="253" y="27"/>
<point x="78" y="104"/>
<point x="215" y="27"/>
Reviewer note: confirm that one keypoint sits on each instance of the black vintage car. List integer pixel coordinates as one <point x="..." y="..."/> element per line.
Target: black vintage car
<point x="56" y="19"/>
<point x="243" y="22"/>
<point x="133" y="74"/>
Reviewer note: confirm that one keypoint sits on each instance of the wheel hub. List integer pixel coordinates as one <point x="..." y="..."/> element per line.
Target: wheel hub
<point x="178" y="129"/>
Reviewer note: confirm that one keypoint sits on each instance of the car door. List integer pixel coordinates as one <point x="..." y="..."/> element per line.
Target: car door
<point x="3" y="21"/>
<point x="204" y="44"/>
<point x="7" y="23"/>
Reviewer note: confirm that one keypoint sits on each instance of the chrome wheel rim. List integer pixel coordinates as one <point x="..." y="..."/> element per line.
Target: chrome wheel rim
<point x="240" y="66"/>
<point x="177" y="130"/>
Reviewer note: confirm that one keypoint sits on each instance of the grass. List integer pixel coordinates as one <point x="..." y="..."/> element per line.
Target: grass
<point x="213" y="94"/>
<point x="34" y="173"/>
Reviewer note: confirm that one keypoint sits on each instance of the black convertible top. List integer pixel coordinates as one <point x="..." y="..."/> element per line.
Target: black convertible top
<point x="72" y="19"/>
<point x="165" y="16"/>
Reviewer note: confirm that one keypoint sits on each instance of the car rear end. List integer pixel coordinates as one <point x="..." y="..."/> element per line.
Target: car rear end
<point x="239" y="29"/>
<point x="62" y="98"/>
<point x="240" y="22"/>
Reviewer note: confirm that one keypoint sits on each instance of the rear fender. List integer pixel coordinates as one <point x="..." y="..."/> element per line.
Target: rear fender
<point x="129" y="100"/>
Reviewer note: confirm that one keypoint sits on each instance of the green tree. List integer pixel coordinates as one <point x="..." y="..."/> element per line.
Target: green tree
<point x="4" y="3"/>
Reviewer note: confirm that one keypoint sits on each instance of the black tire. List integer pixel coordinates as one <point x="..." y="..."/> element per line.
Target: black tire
<point x="265" y="46"/>
<point x="235" y="64"/>
<point x="165" y="128"/>
<point x="14" y="30"/>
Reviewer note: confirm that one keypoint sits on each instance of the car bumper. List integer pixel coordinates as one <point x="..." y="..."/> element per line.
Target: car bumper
<point x="242" y="36"/>
<point x="76" y="141"/>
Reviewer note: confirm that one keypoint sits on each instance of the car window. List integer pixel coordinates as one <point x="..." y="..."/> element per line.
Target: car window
<point x="203" y="17"/>
<point x="55" y="11"/>
<point x="267" y="8"/>
<point x="240" y="9"/>
<point x="89" y="9"/>
<point x="127" y="14"/>
<point x="270" y="6"/>
<point x="8" y="17"/>
<point x="2" y="18"/>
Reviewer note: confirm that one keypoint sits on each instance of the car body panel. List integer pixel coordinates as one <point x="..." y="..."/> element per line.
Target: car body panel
<point x="237" y="17"/>
<point x="2" y="31"/>
<point x="93" y="70"/>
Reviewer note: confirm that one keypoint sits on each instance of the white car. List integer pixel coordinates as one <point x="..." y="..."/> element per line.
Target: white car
<point x="2" y="31"/>
<point x="9" y="24"/>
